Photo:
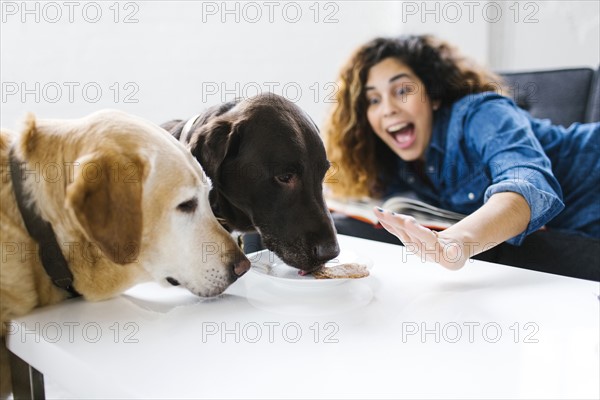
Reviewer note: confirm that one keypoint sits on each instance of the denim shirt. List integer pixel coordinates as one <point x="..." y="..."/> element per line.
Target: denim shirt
<point x="484" y="144"/>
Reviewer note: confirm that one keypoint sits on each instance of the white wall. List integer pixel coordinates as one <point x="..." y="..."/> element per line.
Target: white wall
<point x="173" y="59"/>
<point x="547" y="34"/>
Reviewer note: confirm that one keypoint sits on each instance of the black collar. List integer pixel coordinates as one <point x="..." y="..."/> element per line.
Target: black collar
<point x="52" y="258"/>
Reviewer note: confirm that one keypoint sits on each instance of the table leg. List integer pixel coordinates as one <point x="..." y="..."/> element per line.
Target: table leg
<point x="27" y="382"/>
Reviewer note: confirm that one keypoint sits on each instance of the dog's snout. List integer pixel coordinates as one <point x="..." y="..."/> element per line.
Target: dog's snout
<point x="240" y="267"/>
<point x="326" y="251"/>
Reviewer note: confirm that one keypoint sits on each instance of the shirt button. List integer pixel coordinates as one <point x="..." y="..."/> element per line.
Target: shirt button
<point x="411" y="179"/>
<point x="431" y="169"/>
<point x="471" y="196"/>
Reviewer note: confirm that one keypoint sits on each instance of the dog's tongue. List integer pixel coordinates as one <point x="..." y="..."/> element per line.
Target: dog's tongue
<point x="302" y="272"/>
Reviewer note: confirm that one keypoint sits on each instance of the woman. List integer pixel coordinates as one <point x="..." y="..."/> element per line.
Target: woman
<point x="413" y="114"/>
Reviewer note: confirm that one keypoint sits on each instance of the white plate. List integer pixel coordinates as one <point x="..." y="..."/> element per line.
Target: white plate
<point x="272" y="296"/>
<point x="267" y="264"/>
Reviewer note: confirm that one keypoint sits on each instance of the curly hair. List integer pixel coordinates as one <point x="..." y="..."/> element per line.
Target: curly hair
<point x="362" y="164"/>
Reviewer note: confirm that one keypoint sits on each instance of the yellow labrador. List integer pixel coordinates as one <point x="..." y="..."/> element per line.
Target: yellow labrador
<point x="126" y="202"/>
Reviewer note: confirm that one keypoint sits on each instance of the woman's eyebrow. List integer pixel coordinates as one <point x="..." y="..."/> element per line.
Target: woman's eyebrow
<point x="400" y="75"/>
<point x="392" y="79"/>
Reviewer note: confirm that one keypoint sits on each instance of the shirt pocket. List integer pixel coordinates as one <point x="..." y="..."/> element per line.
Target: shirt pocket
<point x="467" y="194"/>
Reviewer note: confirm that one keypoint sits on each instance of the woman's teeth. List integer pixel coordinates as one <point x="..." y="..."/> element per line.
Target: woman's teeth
<point x="397" y="127"/>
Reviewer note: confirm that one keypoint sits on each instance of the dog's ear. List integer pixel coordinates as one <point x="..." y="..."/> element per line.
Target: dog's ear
<point x="215" y="141"/>
<point x="106" y="199"/>
<point x="31" y="138"/>
<point x="174" y="127"/>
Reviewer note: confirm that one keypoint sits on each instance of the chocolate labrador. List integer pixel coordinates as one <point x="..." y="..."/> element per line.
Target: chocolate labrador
<point x="267" y="163"/>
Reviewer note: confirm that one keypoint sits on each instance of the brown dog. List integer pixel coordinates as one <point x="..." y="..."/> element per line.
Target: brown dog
<point x="120" y="214"/>
<point x="267" y="163"/>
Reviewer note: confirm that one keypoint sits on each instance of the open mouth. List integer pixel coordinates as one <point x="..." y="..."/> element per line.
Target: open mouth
<point x="403" y="134"/>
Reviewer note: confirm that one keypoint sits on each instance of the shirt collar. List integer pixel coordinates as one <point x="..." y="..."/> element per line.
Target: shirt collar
<point x="437" y="143"/>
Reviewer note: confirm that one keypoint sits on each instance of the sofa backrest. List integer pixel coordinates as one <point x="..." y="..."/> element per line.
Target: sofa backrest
<point x="593" y="111"/>
<point x="563" y="96"/>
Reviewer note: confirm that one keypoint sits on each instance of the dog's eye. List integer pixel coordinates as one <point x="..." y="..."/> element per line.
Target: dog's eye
<point x="188" y="206"/>
<point x="285" y="178"/>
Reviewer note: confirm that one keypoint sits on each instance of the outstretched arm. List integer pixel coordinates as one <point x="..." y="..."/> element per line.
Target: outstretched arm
<point x="503" y="216"/>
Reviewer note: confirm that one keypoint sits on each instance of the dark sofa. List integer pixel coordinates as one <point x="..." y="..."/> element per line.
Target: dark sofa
<point x="564" y="96"/>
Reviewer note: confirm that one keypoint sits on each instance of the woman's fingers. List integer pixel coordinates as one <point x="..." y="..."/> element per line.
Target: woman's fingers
<point x="393" y="224"/>
<point x="407" y="225"/>
<point x="422" y="241"/>
<point x="409" y="231"/>
<point x="396" y="230"/>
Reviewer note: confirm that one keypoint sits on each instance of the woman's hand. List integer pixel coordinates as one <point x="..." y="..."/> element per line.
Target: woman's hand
<point x="503" y="216"/>
<point x="430" y="245"/>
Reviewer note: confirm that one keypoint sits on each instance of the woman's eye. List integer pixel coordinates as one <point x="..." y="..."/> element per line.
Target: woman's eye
<point x="188" y="206"/>
<point x="404" y="89"/>
<point x="284" y="178"/>
<point x="372" y="100"/>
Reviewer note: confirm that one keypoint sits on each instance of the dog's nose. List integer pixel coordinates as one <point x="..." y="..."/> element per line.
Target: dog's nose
<point x="240" y="267"/>
<point x="173" y="281"/>
<point x="326" y="251"/>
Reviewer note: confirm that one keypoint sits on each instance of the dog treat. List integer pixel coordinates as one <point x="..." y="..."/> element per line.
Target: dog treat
<point x="342" y="271"/>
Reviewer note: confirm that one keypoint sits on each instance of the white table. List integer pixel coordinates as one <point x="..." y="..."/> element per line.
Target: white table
<point x="410" y="330"/>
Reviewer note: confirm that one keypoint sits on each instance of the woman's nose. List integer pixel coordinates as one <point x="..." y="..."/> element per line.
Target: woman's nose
<point x="388" y="107"/>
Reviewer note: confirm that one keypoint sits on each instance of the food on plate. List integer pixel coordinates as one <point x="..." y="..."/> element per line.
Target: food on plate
<point x="342" y="271"/>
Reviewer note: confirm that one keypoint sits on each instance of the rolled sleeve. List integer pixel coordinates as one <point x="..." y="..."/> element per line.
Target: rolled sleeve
<point x="543" y="205"/>
<point x="501" y="134"/>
